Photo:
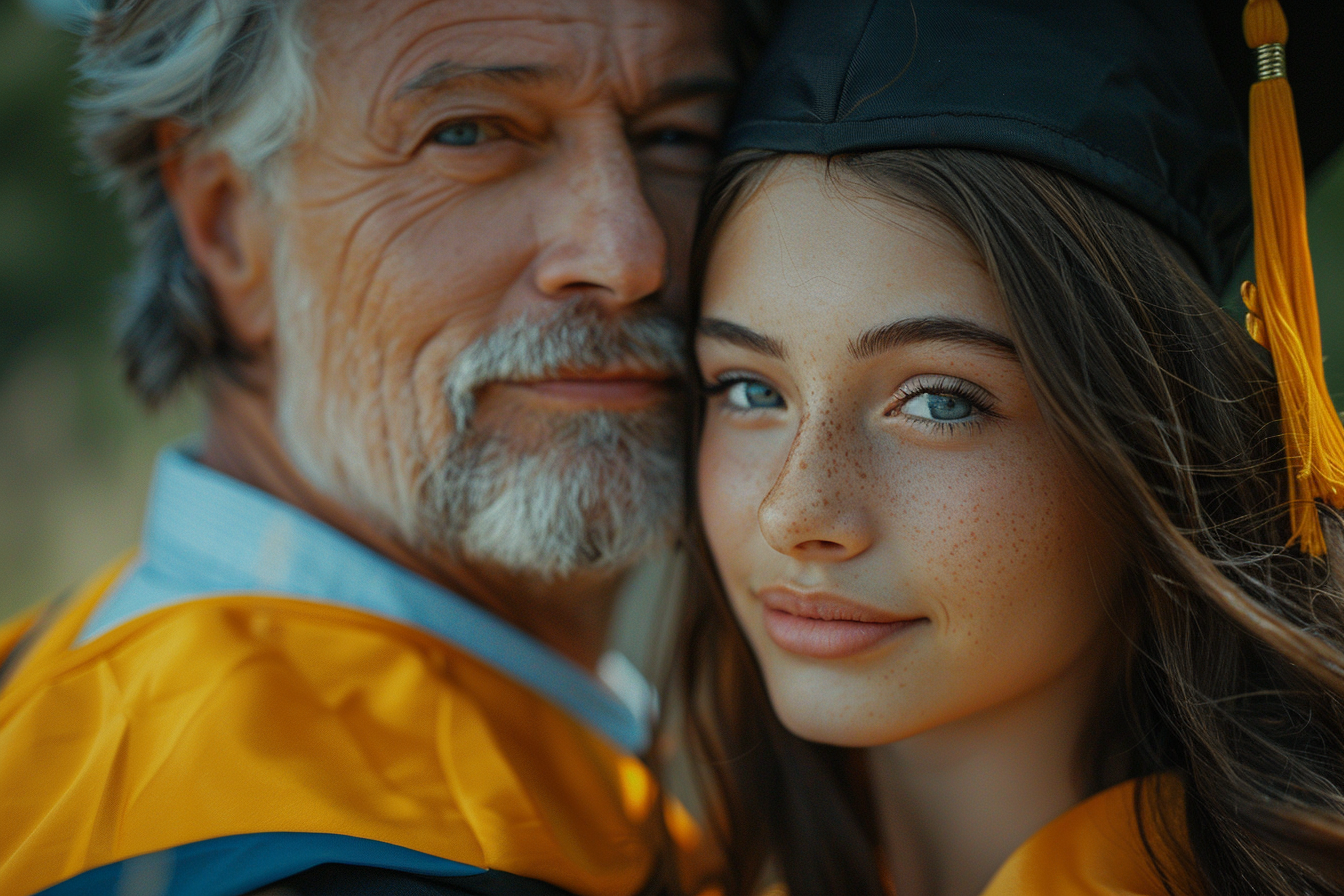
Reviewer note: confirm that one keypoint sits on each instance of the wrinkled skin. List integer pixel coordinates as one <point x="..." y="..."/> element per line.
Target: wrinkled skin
<point x="468" y="163"/>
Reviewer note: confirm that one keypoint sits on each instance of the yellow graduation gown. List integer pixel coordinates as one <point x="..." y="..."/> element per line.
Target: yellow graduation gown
<point x="1095" y="849"/>
<point x="237" y="739"/>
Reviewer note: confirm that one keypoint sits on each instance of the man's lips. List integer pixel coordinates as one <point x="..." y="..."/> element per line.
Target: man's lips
<point x="826" y="626"/>
<point x="610" y="389"/>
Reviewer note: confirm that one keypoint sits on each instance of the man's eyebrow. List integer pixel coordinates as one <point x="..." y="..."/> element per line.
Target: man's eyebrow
<point x="442" y="74"/>
<point x="693" y="87"/>
<point x="928" y="329"/>
<point x="736" y="334"/>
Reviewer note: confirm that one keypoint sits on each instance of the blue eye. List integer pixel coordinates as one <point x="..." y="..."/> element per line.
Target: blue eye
<point x="944" y="404"/>
<point x="752" y="395"/>
<point x="942" y="407"/>
<point x="461" y="133"/>
<point x="673" y="137"/>
<point x="678" y="151"/>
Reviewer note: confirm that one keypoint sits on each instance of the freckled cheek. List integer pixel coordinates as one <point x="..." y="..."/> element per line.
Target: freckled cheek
<point x="1004" y="541"/>
<point x="969" y="522"/>
<point x="734" y="474"/>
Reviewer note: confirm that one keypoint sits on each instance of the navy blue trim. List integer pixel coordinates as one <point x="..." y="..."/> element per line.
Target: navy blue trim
<point x="232" y="866"/>
<point x="348" y="880"/>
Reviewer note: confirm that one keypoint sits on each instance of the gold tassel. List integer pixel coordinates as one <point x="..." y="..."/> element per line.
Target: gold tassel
<point x="1282" y="303"/>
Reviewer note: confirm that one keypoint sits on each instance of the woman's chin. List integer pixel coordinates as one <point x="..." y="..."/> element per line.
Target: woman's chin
<point x="821" y="720"/>
<point x="839" y="732"/>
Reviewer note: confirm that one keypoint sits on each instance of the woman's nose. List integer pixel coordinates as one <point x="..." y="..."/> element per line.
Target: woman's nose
<point x="815" y="510"/>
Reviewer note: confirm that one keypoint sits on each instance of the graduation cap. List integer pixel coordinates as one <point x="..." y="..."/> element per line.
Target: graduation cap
<point x="1142" y="99"/>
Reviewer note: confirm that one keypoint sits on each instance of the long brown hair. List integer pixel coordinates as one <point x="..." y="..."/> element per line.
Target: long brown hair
<point x="1232" y="673"/>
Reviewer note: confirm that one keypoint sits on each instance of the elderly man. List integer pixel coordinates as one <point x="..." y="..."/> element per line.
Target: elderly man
<point x="424" y="257"/>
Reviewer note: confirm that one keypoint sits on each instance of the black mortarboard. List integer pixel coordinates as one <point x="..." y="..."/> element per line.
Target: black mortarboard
<point x="1140" y="98"/>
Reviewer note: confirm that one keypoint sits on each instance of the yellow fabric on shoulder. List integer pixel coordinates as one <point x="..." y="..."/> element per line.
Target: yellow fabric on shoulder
<point x="253" y="713"/>
<point x="12" y="632"/>
<point x="1095" y="848"/>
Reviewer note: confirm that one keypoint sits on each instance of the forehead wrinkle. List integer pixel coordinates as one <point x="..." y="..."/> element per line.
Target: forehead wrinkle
<point x="434" y="30"/>
<point x="646" y="90"/>
<point x="490" y="12"/>
<point x="628" y="62"/>
<point x="574" y="76"/>
<point x="448" y="51"/>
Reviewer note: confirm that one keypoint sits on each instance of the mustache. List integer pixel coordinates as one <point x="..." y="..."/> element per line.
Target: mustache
<point x="577" y="339"/>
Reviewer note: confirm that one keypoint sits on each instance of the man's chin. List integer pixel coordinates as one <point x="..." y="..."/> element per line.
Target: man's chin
<point x="532" y="418"/>
<point x="562" y="494"/>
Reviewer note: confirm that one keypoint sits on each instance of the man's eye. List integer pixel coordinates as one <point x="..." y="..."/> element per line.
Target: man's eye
<point x="752" y="395"/>
<point x="467" y="133"/>
<point x="678" y="137"/>
<point x="679" y="150"/>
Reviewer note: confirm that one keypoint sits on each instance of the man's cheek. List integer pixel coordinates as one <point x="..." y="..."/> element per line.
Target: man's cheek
<point x="365" y="237"/>
<point x="446" y="273"/>
<point x="433" y="422"/>
<point x="675" y="209"/>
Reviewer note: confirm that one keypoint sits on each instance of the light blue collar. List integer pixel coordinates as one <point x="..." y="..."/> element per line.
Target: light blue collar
<point x="206" y="533"/>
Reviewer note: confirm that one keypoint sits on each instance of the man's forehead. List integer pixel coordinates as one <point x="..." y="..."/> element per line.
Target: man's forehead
<point x="397" y="42"/>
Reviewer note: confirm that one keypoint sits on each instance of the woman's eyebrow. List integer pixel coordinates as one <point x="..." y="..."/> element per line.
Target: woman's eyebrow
<point x="928" y="329"/>
<point x="713" y="328"/>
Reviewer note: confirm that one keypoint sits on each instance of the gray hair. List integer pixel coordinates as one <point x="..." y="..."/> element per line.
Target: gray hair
<point x="236" y="73"/>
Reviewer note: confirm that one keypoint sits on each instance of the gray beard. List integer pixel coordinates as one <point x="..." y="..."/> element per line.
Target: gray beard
<point x="603" y="492"/>
<point x="557" y="494"/>
<point x="594" y="490"/>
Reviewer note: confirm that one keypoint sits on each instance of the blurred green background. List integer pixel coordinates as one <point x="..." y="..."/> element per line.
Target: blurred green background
<point x="75" y="450"/>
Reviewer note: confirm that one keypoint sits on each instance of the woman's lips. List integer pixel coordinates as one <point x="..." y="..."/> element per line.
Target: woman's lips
<point x="826" y="626"/>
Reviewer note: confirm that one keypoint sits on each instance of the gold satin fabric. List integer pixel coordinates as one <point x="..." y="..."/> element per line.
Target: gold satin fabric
<point x="247" y="713"/>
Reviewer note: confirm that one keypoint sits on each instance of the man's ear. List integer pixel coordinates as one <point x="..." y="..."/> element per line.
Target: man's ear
<point x="227" y="231"/>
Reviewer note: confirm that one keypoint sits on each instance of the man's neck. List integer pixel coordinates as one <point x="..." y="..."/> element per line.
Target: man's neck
<point x="572" y="615"/>
<point x="954" y="802"/>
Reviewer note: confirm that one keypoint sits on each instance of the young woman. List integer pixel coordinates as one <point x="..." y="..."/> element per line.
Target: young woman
<point x="997" y="593"/>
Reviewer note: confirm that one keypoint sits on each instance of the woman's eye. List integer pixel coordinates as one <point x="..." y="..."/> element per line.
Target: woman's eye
<point x="752" y="395"/>
<point x="945" y="402"/>
<point x="940" y="406"/>
<point x="466" y="133"/>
